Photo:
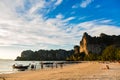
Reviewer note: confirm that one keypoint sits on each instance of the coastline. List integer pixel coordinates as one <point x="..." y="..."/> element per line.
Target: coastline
<point x="85" y="70"/>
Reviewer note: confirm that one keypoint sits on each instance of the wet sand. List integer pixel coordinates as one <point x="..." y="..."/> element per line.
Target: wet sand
<point x="81" y="71"/>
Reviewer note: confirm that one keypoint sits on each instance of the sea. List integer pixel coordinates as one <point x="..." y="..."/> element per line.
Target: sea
<point x="6" y="65"/>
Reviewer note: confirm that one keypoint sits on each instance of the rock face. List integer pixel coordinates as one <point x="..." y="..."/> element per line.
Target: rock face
<point x="96" y="45"/>
<point x="76" y="49"/>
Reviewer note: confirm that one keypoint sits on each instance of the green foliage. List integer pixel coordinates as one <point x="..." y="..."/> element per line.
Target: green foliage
<point x="44" y="55"/>
<point x="73" y="57"/>
<point x="111" y="53"/>
<point x="118" y="53"/>
<point x="92" y="57"/>
<point x="76" y="57"/>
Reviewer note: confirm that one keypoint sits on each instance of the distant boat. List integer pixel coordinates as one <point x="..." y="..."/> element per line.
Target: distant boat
<point x="48" y="64"/>
<point x="20" y="67"/>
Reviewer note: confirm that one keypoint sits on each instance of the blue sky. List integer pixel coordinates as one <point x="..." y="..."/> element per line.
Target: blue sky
<point x="53" y="24"/>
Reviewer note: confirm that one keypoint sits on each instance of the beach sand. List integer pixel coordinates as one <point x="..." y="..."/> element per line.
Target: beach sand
<point x="81" y="71"/>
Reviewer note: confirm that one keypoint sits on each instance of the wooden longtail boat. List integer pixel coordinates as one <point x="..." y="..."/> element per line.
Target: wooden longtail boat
<point x="20" y="67"/>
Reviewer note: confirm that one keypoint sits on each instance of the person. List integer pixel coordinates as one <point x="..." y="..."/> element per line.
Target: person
<point x="107" y="67"/>
<point x="61" y="65"/>
<point x="41" y="65"/>
<point x="52" y="65"/>
<point x="35" y="66"/>
<point x="13" y="66"/>
<point x="32" y="67"/>
<point x="56" y="65"/>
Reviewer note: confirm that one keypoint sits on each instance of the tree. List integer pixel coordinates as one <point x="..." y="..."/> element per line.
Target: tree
<point x="117" y="52"/>
<point x="109" y="53"/>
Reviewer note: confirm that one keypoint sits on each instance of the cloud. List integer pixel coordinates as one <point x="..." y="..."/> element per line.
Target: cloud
<point x="75" y="6"/>
<point x="95" y="27"/>
<point x="85" y="3"/>
<point x="37" y="6"/>
<point x="58" y="2"/>
<point x="105" y="21"/>
<point x="68" y="19"/>
<point x="31" y="30"/>
<point x="59" y="16"/>
<point x="81" y="18"/>
<point x="18" y="30"/>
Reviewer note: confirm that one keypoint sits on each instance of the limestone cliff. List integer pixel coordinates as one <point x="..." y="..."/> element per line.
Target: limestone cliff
<point x="96" y="45"/>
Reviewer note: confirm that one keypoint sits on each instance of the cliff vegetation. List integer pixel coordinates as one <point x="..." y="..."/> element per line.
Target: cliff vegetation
<point x="45" y="55"/>
<point x="105" y="47"/>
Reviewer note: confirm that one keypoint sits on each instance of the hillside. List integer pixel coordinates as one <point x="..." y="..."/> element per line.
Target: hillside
<point x="45" y="55"/>
<point x="96" y="45"/>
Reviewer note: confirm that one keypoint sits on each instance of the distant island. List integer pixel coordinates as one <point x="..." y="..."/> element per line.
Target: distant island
<point x="45" y="55"/>
<point x="105" y="47"/>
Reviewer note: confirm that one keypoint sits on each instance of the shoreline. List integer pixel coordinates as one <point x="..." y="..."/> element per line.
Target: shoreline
<point x="84" y="70"/>
<point x="37" y="65"/>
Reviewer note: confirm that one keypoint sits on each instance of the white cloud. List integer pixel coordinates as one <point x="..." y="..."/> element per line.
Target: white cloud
<point x="105" y="21"/>
<point x="58" y="2"/>
<point x="81" y="18"/>
<point x="94" y="28"/>
<point x="75" y="6"/>
<point x="37" y="6"/>
<point x="85" y="3"/>
<point x="31" y="31"/>
<point x="20" y="31"/>
<point x="59" y="16"/>
<point x="68" y="19"/>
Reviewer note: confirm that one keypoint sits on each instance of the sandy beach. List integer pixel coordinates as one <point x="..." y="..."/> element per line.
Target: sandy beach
<point x="81" y="71"/>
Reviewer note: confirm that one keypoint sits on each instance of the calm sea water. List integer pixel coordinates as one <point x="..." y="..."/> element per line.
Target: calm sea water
<point x="6" y="66"/>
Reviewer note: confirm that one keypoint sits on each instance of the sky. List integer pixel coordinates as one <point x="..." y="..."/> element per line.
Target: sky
<point x="53" y="24"/>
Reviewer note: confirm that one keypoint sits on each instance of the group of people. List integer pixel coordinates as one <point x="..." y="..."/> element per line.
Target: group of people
<point x="52" y="65"/>
<point x="33" y="66"/>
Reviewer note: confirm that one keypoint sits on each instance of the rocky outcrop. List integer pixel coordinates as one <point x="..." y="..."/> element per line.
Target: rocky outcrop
<point x="76" y="49"/>
<point x="45" y="55"/>
<point x="96" y="45"/>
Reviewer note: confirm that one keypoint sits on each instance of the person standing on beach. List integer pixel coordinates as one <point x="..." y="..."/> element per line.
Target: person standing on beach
<point x="61" y="65"/>
<point x="35" y="66"/>
<point x="52" y="65"/>
<point x="56" y="65"/>
<point x="32" y="67"/>
<point x="41" y="65"/>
